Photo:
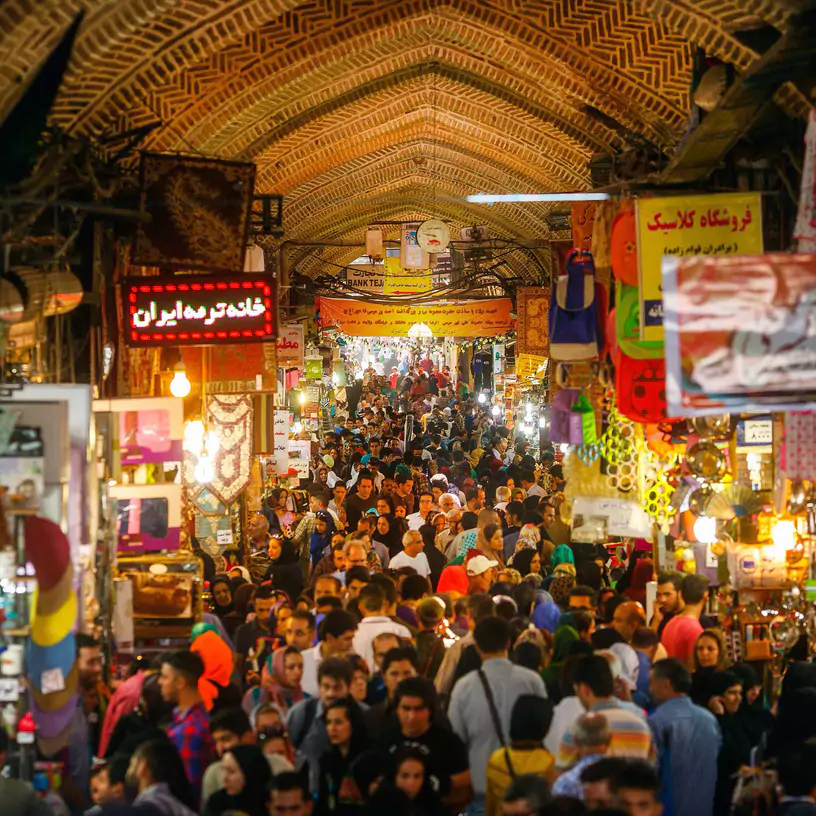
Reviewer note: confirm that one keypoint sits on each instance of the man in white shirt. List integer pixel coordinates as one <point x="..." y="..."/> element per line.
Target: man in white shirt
<point x="528" y="482"/>
<point x="416" y="520"/>
<point x="336" y="633"/>
<point x="412" y="554"/>
<point x="373" y="603"/>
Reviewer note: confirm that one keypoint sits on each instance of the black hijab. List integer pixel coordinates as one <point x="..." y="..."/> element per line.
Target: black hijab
<point x="285" y="572"/>
<point x="253" y="797"/>
<point x="392" y="540"/>
<point x="218" y="609"/>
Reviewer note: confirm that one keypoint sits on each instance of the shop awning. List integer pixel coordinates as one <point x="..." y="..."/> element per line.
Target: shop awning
<point x="467" y="318"/>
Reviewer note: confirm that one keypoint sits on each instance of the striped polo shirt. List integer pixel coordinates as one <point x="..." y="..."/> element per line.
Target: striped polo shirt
<point x="631" y="735"/>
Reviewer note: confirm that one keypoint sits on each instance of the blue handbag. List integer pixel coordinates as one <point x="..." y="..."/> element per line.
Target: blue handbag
<point x="574" y="333"/>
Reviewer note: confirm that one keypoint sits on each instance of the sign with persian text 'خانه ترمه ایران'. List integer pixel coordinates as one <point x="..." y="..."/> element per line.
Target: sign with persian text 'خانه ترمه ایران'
<point x="200" y="310"/>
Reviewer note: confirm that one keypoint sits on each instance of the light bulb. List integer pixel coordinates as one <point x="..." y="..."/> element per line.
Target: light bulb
<point x="564" y="448"/>
<point x="297" y="427"/>
<point x="213" y="442"/>
<point x="705" y="530"/>
<point x="180" y="385"/>
<point x="495" y="410"/>
<point x="302" y="398"/>
<point x="482" y="398"/>
<point x="542" y="422"/>
<point x="204" y="471"/>
<point x="194" y="436"/>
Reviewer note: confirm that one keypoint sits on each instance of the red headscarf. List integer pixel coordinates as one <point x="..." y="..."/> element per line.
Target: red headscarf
<point x="217" y="657"/>
<point x="641" y="575"/>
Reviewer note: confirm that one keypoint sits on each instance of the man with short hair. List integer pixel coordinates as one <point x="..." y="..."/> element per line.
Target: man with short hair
<point x="404" y="491"/>
<point x="687" y="738"/>
<point x="547" y="512"/>
<point x="190" y="728"/>
<point x="594" y="687"/>
<point x="495" y="687"/>
<point x="591" y="739"/>
<point x="398" y="665"/>
<point x="681" y="632"/>
<point x="300" y="630"/>
<point x="667" y="600"/>
<point x="514" y="516"/>
<point x="527" y="795"/>
<point x="412" y="554"/>
<point x="328" y="586"/>
<point x="150" y="774"/>
<point x="336" y="504"/>
<point x="356" y="578"/>
<point x="596" y="780"/>
<point x="289" y="796"/>
<point x="446" y="757"/>
<point x="336" y="634"/>
<point x="636" y="788"/>
<point x="250" y="637"/>
<point x="307" y="729"/>
<point x="422" y="516"/>
<point x="372" y="605"/>
<point x="528" y="482"/>
<point x="231" y="727"/>
<point x="583" y="597"/>
<point x="363" y="500"/>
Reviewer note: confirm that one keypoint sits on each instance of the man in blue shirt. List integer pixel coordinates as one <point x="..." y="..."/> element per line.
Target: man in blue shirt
<point x="688" y="742"/>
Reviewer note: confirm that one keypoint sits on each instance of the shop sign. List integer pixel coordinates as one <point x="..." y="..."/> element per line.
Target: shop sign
<point x="401" y="280"/>
<point x="755" y="432"/>
<point x="314" y="368"/>
<point x="366" y="277"/>
<point x="300" y="451"/>
<point x="290" y="346"/>
<point x="281" y="441"/>
<point x="740" y="335"/>
<point x="685" y="226"/>
<point x="200" y="310"/>
<point x="470" y="318"/>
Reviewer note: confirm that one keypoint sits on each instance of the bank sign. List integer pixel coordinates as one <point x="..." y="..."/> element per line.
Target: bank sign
<point x="200" y="310"/>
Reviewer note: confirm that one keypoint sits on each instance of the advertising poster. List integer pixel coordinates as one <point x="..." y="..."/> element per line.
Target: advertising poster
<point x="412" y="256"/>
<point x="688" y="226"/>
<point x="401" y="280"/>
<point x="281" y="438"/>
<point x="740" y="333"/>
<point x="290" y="346"/>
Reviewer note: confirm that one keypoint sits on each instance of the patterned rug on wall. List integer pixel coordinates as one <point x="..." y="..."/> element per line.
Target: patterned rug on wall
<point x="230" y="416"/>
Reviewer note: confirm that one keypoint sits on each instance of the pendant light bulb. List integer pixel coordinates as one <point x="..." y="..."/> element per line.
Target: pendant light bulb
<point x="180" y="386"/>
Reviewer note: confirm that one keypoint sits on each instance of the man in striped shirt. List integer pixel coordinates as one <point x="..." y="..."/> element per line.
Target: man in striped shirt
<point x="630" y="735"/>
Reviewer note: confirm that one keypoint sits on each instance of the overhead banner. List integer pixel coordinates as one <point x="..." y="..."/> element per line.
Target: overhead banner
<point x="740" y="335"/>
<point x="471" y="318"/>
<point x="290" y="345"/>
<point x="533" y="320"/>
<point x="685" y="226"/>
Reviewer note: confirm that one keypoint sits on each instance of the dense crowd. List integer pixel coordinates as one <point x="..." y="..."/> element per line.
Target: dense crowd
<point x="423" y="638"/>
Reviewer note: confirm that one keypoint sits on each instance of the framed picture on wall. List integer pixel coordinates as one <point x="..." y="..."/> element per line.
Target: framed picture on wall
<point x="148" y="517"/>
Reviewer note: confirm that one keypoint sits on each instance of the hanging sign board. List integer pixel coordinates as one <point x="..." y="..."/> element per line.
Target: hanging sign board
<point x="199" y="310"/>
<point x="290" y="346"/>
<point x="412" y="256"/>
<point x="281" y="440"/>
<point x="300" y="451"/>
<point x="684" y="226"/>
<point x="404" y="281"/>
<point x="366" y="277"/>
<point x="470" y="318"/>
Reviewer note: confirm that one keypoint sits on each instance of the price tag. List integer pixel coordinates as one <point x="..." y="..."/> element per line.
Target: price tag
<point x="758" y="431"/>
<point x="9" y="690"/>
<point x="223" y="536"/>
<point x="52" y="680"/>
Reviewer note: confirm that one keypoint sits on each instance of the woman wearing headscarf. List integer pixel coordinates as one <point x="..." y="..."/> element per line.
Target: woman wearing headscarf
<point x="321" y="537"/>
<point x="562" y="560"/>
<point x="641" y="575"/>
<point x="388" y="533"/>
<point x="284" y="572"/>
<point x="221" y="589"/>
<point x="724" y="700"/>
<point x="795" y="710"/>
<point x="436" y="561"/>
<point x="755" y="718"/>
<point x="247" y="776"/>
<point x="280" y="679"/>
<point x="346" y="730"/>
<point x="241" y="602"/>
<point x="564" y="637"/>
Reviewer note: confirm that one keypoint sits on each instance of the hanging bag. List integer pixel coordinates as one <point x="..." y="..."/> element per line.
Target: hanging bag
<point x="494" y="715"/>
<point x="573" y="320"/>
<point x="561" y="415"/>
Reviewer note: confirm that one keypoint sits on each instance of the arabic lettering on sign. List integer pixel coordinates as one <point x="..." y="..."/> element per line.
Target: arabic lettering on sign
<point x="688" y="226"/>
<point x="290" y="345"/>
<point x="199" y="310"/>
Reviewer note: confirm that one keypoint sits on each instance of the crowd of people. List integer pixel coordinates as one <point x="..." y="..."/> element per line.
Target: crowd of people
<point x="424" y="639"/>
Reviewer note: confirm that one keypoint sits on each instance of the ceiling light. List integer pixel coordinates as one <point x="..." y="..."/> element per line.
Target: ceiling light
<point x="180" y="385"/>
<point x="489" y="198"/>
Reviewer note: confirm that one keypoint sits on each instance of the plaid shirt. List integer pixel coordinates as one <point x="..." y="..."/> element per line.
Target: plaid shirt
<point x="422" y="484"/>
<point x="190" y="733"/>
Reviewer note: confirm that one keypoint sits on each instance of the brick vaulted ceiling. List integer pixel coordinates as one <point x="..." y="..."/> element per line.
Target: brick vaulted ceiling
<point x="358" y="110"/>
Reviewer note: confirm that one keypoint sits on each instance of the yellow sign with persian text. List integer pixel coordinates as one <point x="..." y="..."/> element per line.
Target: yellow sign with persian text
<point x="684" y="226"/>
<point x="399" y="281"/>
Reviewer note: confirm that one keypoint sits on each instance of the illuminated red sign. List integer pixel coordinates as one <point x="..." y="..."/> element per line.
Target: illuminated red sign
<point x="200" y="310"/>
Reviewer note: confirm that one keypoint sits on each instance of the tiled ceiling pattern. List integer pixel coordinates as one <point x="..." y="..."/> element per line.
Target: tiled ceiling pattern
<point x="358" y="110"/>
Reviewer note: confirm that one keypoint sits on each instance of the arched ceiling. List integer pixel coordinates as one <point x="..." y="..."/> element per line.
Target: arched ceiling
<point x="366" y="110"/>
